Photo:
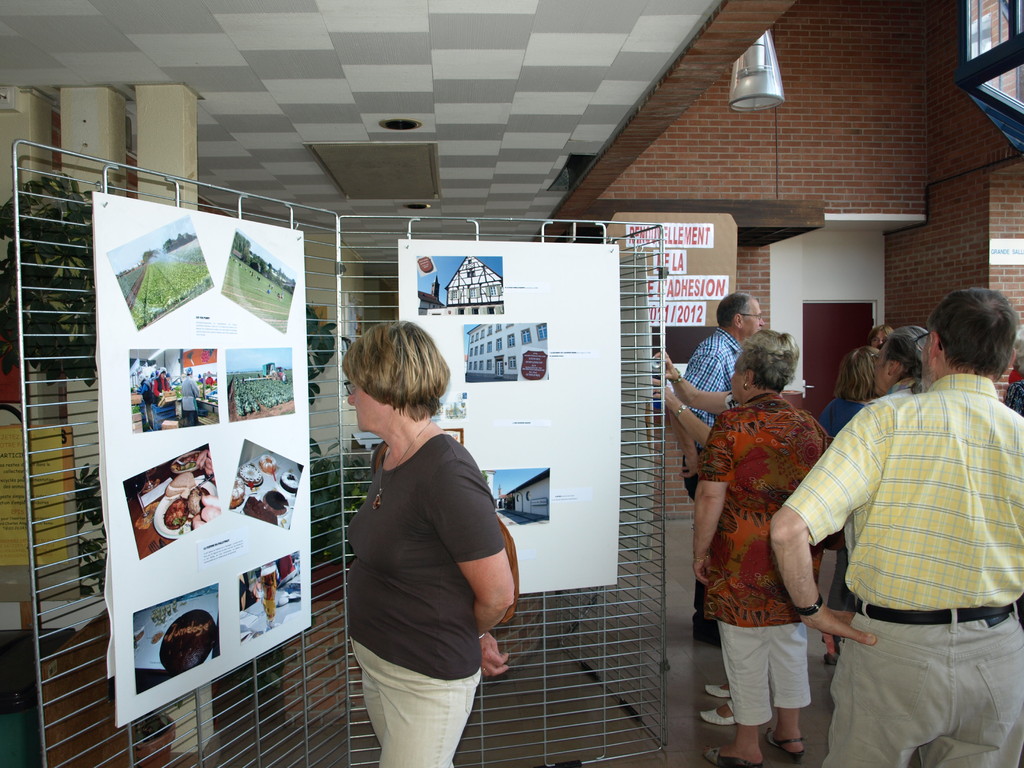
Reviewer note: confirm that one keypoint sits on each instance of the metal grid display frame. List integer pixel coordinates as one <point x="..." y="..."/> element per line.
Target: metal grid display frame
<point x="589" y="665"/>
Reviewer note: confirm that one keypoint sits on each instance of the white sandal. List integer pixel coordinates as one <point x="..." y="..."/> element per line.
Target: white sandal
<point x="712" y="716"/>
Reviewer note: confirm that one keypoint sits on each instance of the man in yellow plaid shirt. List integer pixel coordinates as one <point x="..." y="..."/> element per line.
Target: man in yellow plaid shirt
<point x="930" y="492"/>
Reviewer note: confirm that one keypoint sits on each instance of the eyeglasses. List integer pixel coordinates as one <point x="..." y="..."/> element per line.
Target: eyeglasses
<point x="348" y="387"/>
<point x="749" y="314"/>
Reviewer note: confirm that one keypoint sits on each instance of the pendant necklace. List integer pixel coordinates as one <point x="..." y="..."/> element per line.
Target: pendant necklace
<point x="380" y="491"/>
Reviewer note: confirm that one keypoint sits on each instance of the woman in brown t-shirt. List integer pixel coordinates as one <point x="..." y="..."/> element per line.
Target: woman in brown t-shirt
<point x="430" y="576"/>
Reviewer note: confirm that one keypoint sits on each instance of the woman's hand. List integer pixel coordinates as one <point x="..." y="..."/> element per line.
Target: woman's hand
<point x="492" y="661"/>
<point x="700" y="570"/>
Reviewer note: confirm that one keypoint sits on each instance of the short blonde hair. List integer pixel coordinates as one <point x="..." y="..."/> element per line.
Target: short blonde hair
<point x="398" y="364"/>
<point x="772" y="357"/>
<point x="856" y="380"/>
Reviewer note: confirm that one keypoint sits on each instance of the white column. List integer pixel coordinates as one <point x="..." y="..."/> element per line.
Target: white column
<point x="167" y="140"/>
<point x="92" y="123"/>
<point x="29" y="118"/>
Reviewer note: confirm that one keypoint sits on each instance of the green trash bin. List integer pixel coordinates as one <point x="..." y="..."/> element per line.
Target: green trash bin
<point x="19" y="718"/>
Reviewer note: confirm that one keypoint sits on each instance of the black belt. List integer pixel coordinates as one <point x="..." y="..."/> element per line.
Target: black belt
<point x="942" y="616"/>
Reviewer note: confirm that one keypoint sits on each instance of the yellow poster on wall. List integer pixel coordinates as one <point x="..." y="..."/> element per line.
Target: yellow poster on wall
<point x="52" y="479"/>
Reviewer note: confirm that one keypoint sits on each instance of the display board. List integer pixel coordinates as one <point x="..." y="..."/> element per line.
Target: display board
<point x="531" y="334"/>
<point x="204" y="426"/>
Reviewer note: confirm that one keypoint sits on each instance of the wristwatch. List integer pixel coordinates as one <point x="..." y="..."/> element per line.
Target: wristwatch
<point x="811" y="609"/>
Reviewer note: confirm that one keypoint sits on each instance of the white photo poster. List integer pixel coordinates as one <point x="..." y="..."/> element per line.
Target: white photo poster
<point x="531" y="334"/>
<point x="204" y="428"/>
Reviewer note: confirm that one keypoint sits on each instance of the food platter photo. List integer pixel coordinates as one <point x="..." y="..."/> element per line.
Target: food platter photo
<point x="175" y="636"/>
<point x="179" y="514"/>
<point x="171" y="499"/>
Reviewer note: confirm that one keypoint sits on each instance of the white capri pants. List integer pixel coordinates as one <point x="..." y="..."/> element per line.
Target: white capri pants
<point x="418" y="719"/>
<point x="765" y="666"/>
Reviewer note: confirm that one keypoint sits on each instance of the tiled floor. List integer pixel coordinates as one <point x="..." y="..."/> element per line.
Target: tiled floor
<point x="694" y="664"/>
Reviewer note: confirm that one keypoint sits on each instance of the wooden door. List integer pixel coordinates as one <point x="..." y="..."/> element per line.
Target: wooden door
<point x="831" y="329"/>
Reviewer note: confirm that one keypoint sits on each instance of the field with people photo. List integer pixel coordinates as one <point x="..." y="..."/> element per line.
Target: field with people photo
<point x="259" y="283"/>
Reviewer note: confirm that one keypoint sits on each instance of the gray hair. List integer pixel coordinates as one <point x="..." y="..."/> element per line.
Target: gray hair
<point x="772" y="357"/>
<point x="976" y="327"/>
<point x="732" y="305"/>
<point x="904" y="347"/>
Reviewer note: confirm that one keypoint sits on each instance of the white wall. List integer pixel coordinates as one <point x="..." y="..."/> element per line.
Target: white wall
<point x="825" y="265"/>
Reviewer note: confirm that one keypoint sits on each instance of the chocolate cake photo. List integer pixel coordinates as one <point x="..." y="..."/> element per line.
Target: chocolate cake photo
<point x="189" y="640"/>
<point x="175" y="636"/>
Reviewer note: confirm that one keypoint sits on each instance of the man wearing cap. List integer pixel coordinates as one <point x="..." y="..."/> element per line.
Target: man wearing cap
<point x="930" y="493"/>
<point x="189" y="394"/>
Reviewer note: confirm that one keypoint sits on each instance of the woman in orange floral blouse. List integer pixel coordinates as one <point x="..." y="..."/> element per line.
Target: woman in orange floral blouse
<point x="755" y="456"/>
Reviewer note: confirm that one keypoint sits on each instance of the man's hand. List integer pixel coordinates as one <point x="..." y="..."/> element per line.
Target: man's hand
<point x="492" y="661"/>
<point x="837" y="623"/>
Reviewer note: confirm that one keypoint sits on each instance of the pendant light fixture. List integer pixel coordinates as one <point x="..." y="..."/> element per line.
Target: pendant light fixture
<point x="756" y="80"/>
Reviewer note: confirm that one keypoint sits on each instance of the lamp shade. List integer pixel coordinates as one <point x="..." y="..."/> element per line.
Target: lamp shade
<point x="756" y="80"/>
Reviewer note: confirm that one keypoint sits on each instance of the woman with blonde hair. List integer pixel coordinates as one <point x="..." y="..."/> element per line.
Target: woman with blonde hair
<point x="878" y="335"/>
<point x="755" y="456"/>
<point x="430" y="576"/>
<point x="855" y="388"/>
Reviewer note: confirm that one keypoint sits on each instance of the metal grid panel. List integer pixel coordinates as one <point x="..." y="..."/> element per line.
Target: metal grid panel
<point x="589" y="670"/>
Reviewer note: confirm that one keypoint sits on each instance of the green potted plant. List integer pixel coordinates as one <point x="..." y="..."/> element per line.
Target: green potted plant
<point x="58" y="286"/>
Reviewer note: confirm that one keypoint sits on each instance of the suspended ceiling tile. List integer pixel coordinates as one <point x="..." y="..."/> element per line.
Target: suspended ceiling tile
<point x="325" y="90"/>
<point x="476" y="64"/>
<point x="496" y="114"/>
<point x="572" y="50"/>
<point x="362" y="16"/>
<point x="382" y="47"/>
<point x="300" y="65"/>
<point x="276" y="31"/>
<point x="386" y="78"/>
<point x="191" y="50"/>
<point x="659" y="34"/>
<point x="487" y="31"/>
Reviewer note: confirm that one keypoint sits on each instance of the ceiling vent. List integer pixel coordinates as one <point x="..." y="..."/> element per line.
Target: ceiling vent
<point x="381" y="171"/>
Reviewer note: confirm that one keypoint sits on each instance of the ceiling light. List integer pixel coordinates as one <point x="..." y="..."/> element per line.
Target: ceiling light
<point x="400" y="124"/>
<point x="417" y="206"/>
<point x="756" y="80"/>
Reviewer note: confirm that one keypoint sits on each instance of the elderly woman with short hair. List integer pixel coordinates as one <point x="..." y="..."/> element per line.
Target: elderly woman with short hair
<point x="430" y="576"/>
<point x="898" y="365"/>
<point x="755" y="456"/>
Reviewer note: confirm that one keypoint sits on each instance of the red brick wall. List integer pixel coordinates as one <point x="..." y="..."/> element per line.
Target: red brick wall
<point x="851" y="132"/>
<point x="975" y="191"/>
<point x="873" y="123"/>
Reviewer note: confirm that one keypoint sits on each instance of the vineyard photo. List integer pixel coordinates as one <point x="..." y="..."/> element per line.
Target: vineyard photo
<point x="160" y="271"/>
<point x="259" y="283"/>
<point x="260" y="383"/>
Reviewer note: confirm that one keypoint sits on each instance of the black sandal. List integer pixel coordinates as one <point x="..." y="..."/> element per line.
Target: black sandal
<point x="778" y="744"/>
<point x="724" y="761"/>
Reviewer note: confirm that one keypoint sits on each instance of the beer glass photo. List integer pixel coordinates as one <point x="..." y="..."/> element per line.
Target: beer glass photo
<point x="268" y="582"/>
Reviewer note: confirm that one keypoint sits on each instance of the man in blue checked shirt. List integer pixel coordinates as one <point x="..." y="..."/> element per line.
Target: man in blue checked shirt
<point x="710" y="369"/>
